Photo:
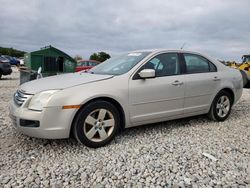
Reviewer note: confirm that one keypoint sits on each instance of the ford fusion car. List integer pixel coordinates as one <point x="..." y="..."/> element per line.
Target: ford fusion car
<point x="132" y="89"/>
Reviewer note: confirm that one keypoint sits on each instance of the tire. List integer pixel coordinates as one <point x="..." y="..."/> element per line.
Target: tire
<point x="244" y="78"/>
<point x="0" y="74"/>
<point x="221" y="106"/>
<point x="96" y="124"/>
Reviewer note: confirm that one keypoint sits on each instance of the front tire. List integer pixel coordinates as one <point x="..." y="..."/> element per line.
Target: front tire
<point x="96" y="124"/>
<point x="221" y="106"/>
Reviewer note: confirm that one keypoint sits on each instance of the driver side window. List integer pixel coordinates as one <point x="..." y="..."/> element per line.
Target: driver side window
<point x="164" y="64"/>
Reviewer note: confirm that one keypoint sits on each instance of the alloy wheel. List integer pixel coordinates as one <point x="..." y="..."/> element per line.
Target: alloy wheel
<point x="99" y="125"/>
<point x="223" y="106"/>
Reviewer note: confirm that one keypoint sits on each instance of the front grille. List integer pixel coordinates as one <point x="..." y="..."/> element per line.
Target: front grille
<point x="20" y="97"/>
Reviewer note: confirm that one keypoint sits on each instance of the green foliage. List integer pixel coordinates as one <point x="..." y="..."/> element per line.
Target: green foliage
<point x="100" y="56"/>
<point x="11" y="52"/>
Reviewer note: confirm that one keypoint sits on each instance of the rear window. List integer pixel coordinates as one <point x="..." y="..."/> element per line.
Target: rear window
<point x="198" y="64"/>
<point x="82" y="63"/>
<point x="92" y="63"/>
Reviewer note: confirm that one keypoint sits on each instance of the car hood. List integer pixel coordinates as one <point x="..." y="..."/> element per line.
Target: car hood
<point x="61" y="82"/>
<point x="4" y="61"/>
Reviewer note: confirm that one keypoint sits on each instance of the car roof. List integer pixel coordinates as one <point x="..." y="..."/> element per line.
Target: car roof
<point x="166" y="50"/>
<point x="3" y="57"/>
<point x="88" y="61"/>
<point x="156" y="51"/>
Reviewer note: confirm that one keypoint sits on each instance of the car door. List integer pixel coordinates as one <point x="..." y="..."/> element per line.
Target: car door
<point x="155" y="99"/>
<point x="201" y="83"/>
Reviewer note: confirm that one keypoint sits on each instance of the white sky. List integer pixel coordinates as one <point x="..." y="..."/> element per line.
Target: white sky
<point x="220" y="28"/>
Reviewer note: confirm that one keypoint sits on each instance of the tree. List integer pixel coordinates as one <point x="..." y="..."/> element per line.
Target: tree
<point x="11" y="52"/>
<point x="78" y="57"/>
<point x="100" y="56"/>
<point x="94" y="56"/>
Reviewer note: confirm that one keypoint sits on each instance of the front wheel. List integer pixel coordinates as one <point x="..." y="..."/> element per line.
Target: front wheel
<point x="96" y="124"/>
<point x="221" y="106"/>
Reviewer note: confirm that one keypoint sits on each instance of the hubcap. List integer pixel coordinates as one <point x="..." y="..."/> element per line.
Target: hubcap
<point x="99" y="125"/>
<point x="223" y="106"/>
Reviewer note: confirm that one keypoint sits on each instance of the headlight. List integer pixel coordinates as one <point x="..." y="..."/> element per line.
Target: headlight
<point x="40" y="100"/>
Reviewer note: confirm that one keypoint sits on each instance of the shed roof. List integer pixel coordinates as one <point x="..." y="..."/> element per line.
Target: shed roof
<point x="54" y="49"/>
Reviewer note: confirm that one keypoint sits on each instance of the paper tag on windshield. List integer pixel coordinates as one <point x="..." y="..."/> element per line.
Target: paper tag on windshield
<point x="134" y="54"/>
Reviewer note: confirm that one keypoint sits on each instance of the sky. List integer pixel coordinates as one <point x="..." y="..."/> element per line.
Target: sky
<point x="219" y="28"/>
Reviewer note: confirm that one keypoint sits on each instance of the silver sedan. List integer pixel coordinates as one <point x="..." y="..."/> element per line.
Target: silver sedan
<point x="132" y="89"/>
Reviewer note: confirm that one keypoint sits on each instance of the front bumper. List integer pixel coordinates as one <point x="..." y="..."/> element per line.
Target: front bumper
<point x="54" y="122"/>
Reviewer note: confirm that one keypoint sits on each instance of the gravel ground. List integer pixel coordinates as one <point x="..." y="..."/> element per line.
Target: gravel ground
<point x="167" y="154"/>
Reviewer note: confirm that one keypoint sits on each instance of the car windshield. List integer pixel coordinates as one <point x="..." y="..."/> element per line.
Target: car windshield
<point x="7" y="57"/>
<point x="120" y="64"/>
<point x="3" y="58"/>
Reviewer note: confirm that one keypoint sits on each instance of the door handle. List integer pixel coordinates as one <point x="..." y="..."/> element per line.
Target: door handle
<point x="216" y="78"/>
<point x="177" y="83"/>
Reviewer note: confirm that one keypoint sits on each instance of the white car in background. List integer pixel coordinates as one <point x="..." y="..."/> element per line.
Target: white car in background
<point x="21" y="59"/>
<point x="132" y="89"/>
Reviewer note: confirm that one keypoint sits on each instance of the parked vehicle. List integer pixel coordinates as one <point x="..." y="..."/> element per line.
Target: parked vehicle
<point x="13" y="60"/>
<point x="135" y="88"/>
<point x="3" y="59"/>
<point x="86" y="65"/>
<point x="5" y="67"/>
<point x="244" y="68"/>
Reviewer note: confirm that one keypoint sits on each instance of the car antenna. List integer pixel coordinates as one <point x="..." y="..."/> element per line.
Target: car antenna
<point x="183" y="45"/>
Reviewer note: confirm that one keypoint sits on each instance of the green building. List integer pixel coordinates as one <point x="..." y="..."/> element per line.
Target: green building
<point x="52" y="61"/>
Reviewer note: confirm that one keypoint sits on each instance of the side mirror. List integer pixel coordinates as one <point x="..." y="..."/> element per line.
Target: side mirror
<point x="39" y="73"/>
<point x="147" y="73"/>
<point x="39" y="70"/>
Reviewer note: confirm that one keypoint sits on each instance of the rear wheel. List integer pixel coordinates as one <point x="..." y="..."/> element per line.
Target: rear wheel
<point x="221" y="106"/>
<point x="96" y="124"/>
<point x="244" y="78"/>
<point x="0" y="74"/>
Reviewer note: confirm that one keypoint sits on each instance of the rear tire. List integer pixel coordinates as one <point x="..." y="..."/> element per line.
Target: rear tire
<point x="244" y="78"/>
<point x="96" y="124"/>
<point x="221" y="106"/>
<point x="0" y="74"/>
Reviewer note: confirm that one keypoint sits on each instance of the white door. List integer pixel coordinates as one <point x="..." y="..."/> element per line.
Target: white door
<point x="201" y="83"/>
<point x="160" y="97"/>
